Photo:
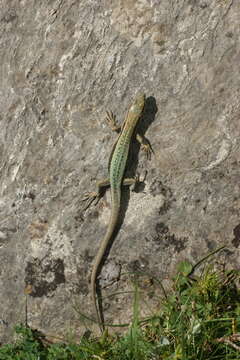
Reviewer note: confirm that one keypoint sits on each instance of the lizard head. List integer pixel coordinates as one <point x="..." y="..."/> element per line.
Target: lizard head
<point x="139" y="102"/>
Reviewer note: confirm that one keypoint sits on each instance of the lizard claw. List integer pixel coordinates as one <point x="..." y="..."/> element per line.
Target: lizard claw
<point x="111" y="120"/>
<point x="146" y="147"/>
<point x="91" y="197"/>
<point x="138" y="178"/>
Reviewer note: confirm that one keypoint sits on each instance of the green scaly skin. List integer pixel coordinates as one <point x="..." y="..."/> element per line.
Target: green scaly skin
<point x="117" y="167"/>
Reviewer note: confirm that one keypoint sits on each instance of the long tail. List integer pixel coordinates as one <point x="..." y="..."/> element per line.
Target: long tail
<point x="99" y="258"/>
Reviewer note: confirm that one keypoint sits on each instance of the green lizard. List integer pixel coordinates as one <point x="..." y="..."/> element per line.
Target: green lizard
<point x="116" y="168"/>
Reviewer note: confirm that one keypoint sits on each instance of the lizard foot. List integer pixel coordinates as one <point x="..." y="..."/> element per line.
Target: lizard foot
<point x="91" y="197"/>
<point x="146" y="147"/>
<point x="111" y="120"/>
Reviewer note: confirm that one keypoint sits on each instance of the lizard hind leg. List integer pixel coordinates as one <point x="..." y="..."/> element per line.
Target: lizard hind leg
<point x="95" y="196"/>
<point x="133" y="182"/>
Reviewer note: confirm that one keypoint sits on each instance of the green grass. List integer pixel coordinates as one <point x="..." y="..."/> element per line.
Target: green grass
<point x="199" y="319"/>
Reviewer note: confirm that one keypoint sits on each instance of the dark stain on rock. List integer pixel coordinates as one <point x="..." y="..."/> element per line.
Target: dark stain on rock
<point x="134" y="266"/>
<point x="29" y="195"/>
<point x="44" y="276"/>
<point x="9" y="16"/>
<point x="165" y="239"/>
<point x="236" y="232"/>
<point x="81" y="287"/>
<point x="156" y="188"/>
<point x="210" y="244"/>
<point x="139" y="265"/>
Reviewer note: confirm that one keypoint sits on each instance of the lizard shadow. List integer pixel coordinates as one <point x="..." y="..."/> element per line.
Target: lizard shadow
<point x="146" y="120"/>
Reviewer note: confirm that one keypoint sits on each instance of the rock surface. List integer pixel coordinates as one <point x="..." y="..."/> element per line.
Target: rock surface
<point x="63" y="63"/>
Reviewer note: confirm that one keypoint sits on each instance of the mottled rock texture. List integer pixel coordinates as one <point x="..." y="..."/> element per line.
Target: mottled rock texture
<point x="63" y="63"/>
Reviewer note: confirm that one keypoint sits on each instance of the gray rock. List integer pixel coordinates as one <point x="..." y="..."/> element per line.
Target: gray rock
<point x="63" y="63"/>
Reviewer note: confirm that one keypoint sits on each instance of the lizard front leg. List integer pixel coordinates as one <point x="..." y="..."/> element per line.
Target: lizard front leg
<point x="111" y="120"/>
<point x="145" y="145"/>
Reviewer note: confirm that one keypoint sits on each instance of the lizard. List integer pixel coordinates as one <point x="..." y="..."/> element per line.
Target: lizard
<point x="116" y="169"/>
